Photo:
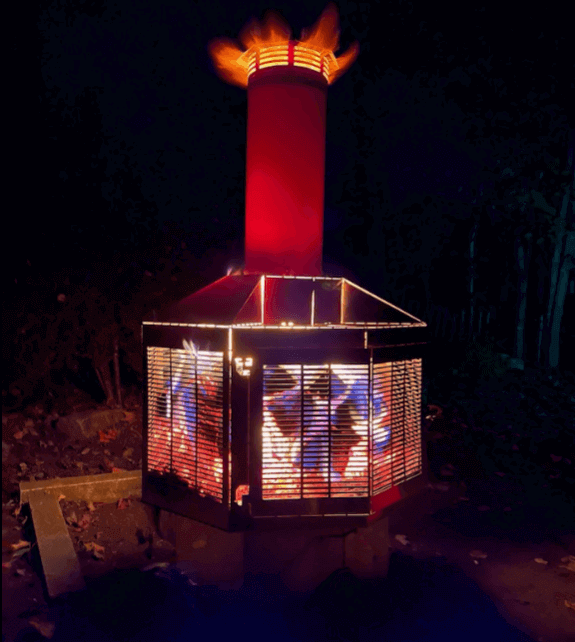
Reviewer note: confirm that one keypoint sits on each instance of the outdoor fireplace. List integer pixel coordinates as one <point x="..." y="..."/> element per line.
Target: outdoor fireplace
<point x="277" y="396"/>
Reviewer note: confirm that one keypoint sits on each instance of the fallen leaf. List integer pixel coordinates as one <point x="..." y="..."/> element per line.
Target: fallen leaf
<point x="402" y="539"/>
<point x="107" y="435"/>
<point x="199" y="543"/>
<point x="483" y="508"/>
<point x="569" y="567"/>
<point x="44" y="627"/>
<point x="61" y="497"/>
<point x="20" y="571"/>
<point x="539" y="560"/>
<point x="96" y="549"/>
<point x="85" y="451"/>
<point x="71" y="519"/>
<point x="476" y="562"/>
<point x="569" y="558"/>
<point x="23" y="467"/>
<point x="28" y="423"/>
<point x="33" y="432"/>
<point x="91" y="506"/>
<point x="80" y="464"/>
<point x="20" y="544"/>
<point x="19" y="434"/>
<point x="85" y="521"/>
<point x="21" y="552"/>
<point x="123" y="503"/>
<point x="463" y="499"/>
<point x="117" y="470"/>
<point x="478" y="554"/>
<point x="442" y="486"/>
<point x="151" y="567"/>
<point x="570" y="605"/>
<point x="127" y="453"/>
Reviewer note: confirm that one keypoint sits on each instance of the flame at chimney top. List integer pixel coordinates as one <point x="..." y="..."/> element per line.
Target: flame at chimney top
<point x="287" y="84"/>
<point x="231" y="62"/>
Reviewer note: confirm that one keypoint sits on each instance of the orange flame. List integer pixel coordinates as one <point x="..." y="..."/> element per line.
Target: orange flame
<point x="232" y="66"/>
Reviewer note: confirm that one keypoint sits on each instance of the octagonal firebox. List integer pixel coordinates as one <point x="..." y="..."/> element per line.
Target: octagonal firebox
<point x="282" y="400"/>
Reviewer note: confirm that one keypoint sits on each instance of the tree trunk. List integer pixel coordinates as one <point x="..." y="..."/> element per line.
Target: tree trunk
<point x="522" y="259"/>
<point x="117" y="373"/>
<point x="539" y="337"/>
<point x="472" y="274"/>
<point x="103" y="372"/>
<point x="558" y="305"/>
<point x="561" y="265"/>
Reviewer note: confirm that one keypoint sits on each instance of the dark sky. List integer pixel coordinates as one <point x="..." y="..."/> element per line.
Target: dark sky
<point x="125" y="126"/>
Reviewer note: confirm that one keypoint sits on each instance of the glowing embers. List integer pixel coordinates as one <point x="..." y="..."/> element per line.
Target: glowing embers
<point x="315" y="431"/>
<point x="185" y="416"/>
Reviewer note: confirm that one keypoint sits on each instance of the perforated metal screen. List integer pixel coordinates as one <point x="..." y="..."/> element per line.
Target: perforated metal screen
<point x="315" y="431"/>
<point x="397" y="435"/>
<point x="328" y="429"/>
<point x="185" y="417"/>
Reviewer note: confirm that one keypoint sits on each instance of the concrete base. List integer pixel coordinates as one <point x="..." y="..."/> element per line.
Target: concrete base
<point x="302" y="559"/>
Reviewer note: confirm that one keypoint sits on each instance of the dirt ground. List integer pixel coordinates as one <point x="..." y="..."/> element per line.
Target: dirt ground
<point x="481" y="553"/>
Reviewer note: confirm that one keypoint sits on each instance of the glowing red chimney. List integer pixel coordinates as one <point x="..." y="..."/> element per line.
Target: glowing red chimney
<point x="287" y="84"/>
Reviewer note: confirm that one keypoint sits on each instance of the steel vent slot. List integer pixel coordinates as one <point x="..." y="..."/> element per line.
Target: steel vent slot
<point x="185" y="421"/>
<point x="315" y="431"/>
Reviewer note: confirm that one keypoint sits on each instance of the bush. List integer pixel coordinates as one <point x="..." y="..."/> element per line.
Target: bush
<point x="482" y="362"/>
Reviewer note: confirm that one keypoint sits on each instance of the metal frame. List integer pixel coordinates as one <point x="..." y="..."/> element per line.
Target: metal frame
<point x="242" y="415"/>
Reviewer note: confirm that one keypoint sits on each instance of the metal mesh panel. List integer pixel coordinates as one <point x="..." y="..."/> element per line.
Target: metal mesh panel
<point x="397" y="434"/>
<point x="159" y="410"/>
<point x="315" y="431"/>
<point x="185" y="417"/>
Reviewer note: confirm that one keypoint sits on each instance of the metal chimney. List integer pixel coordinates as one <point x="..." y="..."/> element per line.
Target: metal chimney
<point x="287" y="92"/>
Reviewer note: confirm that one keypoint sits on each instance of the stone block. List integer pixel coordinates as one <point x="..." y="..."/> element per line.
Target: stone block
<point x="367" y="550"/>
<point x="216" y="555"/>
<point x="301" y="559"/>
<point x="106" y="488"/>
<point x="59" y="561"/>
<point x="87" y="424"/>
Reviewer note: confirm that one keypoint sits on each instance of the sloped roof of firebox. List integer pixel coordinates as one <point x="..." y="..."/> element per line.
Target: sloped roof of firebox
<point x="243" y="300"/>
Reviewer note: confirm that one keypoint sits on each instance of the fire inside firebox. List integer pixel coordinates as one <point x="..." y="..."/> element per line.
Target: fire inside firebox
<point x="328" y="430"/>
<point x="186" y="418"/>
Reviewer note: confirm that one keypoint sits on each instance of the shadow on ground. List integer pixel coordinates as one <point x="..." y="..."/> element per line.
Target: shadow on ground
<point x="425" y="599"/>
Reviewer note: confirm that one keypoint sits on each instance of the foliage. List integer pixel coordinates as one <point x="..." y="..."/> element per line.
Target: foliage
<point x="64" y="327"/>
<point x="482" y="361"/>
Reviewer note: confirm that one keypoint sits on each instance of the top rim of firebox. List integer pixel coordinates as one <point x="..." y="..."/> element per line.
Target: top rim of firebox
<point x="260" y="301"/>
<point x="289" y="54"/>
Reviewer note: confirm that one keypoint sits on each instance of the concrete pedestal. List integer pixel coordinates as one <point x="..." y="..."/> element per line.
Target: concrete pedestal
<point x="301" y="558"/>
